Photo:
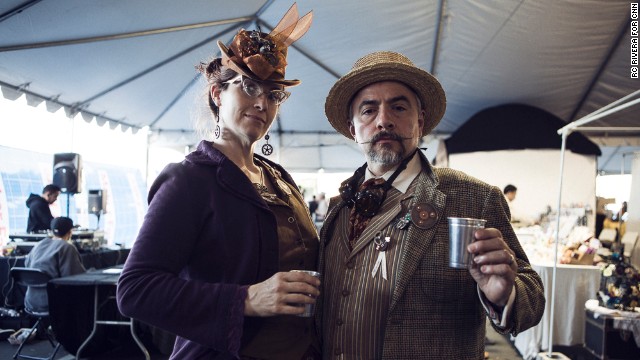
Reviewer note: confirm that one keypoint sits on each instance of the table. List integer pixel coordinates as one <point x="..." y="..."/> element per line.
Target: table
<point x="98" y="259"/>
<point x="103" y="284"/>
<point x="575" y="284"/>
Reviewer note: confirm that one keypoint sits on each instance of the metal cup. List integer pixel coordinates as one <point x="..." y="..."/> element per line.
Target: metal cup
<point x="309" y="309"/>
<point x="460" y="236"/>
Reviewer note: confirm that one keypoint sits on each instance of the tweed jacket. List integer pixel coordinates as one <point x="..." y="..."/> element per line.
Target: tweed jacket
<point x="435" y="311"/>
<point x="206" y="236"/>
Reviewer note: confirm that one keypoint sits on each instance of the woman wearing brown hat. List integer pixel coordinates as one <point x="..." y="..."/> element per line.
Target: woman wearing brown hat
<point x="212" y="262"/>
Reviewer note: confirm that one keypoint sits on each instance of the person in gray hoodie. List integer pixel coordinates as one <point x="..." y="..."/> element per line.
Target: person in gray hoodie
<point x="55" y="256"/>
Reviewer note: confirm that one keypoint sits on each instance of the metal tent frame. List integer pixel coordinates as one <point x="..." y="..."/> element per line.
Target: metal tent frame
<point x="564" y="132"/>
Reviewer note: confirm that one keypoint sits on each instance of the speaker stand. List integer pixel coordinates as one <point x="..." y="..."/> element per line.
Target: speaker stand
<point x="68" y="200"/>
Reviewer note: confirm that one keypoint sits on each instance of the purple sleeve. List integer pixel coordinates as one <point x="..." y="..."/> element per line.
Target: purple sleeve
<point x="157" y="286"/>
<point x="237" y="320"/>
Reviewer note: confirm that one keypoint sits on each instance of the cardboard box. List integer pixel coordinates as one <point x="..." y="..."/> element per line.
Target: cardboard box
<point x="582" y="259"/>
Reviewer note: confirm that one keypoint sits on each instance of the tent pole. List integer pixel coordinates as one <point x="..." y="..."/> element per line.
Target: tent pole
<point x="612" y="104"/>
<point x="600" y="113"/>
<point x="565" y="133"/>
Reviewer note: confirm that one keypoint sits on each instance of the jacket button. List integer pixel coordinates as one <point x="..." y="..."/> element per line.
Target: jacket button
<point x="339" y="322"/>
<point x="350" y="265"/>
<point x="345" y="292"/>
<point x="337" y="351"/>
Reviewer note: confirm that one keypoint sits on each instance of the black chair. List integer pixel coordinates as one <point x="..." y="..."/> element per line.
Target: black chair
<point x="35" y="278"/>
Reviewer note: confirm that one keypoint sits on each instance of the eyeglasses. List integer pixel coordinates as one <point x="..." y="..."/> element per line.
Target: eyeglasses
<point x="254" y="89"/>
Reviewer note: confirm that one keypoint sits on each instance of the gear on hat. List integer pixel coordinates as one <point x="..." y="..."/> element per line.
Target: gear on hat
<point x="263" y="56"/>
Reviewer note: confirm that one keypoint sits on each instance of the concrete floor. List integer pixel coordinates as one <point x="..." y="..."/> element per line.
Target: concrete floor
<point x="499" y="348"/>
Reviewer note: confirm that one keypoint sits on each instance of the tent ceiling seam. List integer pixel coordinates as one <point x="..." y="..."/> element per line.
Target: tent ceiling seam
<point x="601" y="69"/>
<point x="598" y="115"/>
<point x="263" y="8"/>
<point x="17" y="10"/>
<point x="156" y="66"/>
<point x="303" y="52"/>
<point x="436" y="42"/>
<point x="606" y="162"/>
<point x="486" y="46"/>
<point x="121" y="36"/>
<point x="175" y="100"/>
<point x="183" y="91"/>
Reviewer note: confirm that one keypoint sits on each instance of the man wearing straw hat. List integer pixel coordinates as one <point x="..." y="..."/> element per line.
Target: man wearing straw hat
<point x="388" y="290"/>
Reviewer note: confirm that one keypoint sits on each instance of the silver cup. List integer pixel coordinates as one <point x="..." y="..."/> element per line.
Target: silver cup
<point x="460" y="236"/>
<point x="309" y="309"/>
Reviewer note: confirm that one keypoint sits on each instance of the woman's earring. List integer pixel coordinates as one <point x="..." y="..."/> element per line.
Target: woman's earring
<point x="216" y="132"/>
<point x="267" y="149"/>
<point x="217" y="103"/>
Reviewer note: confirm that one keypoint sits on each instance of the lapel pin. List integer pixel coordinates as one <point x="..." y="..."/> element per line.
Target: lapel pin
<point x="424" y="216"/>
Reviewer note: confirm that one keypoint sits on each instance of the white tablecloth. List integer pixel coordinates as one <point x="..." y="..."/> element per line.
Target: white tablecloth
<point x="575" y="284"/>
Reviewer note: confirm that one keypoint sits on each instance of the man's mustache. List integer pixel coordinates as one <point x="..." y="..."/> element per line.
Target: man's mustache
<point x="384" y="135"/>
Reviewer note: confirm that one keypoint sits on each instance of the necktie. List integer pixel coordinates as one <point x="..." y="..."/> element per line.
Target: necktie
<point x="357" y="221"/>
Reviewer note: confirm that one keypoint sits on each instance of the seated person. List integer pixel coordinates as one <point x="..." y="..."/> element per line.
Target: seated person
<point x="55" y="256"/>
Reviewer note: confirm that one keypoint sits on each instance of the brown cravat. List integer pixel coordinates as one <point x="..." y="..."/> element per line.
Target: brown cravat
<point x="357" y="221"/>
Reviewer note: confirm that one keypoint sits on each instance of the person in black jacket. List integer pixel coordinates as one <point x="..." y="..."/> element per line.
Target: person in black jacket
<point x="39" y="213"/>
<point x="313" y="205"/>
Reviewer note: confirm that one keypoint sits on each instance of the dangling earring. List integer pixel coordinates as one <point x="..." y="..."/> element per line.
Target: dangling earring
<point x="216" y="132"/>
<point x="267" y="149"/>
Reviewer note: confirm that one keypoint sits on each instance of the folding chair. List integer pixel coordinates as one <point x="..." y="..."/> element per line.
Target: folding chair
<point x="34" y="278"/>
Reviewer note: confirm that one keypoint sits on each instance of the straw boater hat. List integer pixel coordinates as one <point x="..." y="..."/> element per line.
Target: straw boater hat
<point x="263" y="56"/>
<point x="384" y="66"/>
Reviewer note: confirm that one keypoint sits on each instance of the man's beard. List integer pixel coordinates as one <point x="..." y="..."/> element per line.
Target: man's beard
<point x="384" y="154"/>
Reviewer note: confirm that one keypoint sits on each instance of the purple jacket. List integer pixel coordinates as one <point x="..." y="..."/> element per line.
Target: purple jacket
<point x="206" y="236"/>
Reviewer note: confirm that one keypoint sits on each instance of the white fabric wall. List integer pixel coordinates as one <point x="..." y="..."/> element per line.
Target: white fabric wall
<point x="536" y="175"/>
<point x="633" y="206"/>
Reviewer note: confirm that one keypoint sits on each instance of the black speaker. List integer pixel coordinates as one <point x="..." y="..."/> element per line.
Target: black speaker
<point x="67" y="172"/>
<point x="97" y="201"/>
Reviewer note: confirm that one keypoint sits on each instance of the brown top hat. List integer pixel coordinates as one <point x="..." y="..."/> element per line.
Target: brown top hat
<point x="263" y="56"/>
<point x="384" y="66"/>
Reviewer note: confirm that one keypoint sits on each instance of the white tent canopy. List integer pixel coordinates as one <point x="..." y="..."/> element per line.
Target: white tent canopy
<point x="132" y="62"/>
